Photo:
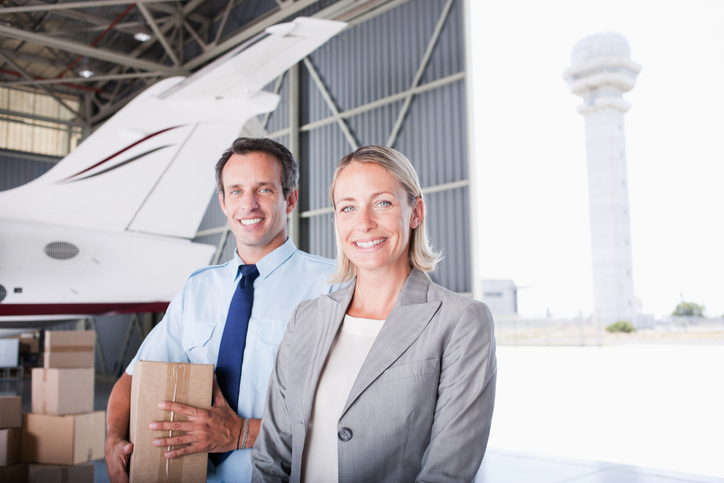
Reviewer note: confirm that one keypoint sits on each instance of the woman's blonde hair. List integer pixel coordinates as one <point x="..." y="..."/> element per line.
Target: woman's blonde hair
<point x="421" y="254"/>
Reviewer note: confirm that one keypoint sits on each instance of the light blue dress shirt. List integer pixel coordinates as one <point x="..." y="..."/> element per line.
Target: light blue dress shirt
<point x="194" y="322"/>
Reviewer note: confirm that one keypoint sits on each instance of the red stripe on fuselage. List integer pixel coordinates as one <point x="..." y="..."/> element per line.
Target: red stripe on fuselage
<point x="120" y="152"/>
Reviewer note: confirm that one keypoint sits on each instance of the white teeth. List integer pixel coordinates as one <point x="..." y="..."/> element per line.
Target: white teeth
<point x="370" y="244"/>
<point x="251" y="222"/>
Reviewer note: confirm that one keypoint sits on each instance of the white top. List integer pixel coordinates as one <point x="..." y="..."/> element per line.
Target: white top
<point x="344" y="361"/>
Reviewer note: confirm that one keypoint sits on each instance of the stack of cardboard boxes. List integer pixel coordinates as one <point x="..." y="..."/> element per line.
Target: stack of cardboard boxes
<point x="10" y="469"/>
<point x="63" y="434"/>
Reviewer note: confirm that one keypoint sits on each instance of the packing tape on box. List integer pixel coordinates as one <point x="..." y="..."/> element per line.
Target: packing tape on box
<point x="178" y="377"/>
<point x="70" y="348"/>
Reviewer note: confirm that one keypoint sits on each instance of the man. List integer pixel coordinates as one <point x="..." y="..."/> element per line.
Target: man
<point x="257" y="183"/>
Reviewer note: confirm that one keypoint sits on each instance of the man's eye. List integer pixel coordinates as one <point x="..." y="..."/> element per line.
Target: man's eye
<point x="235" y="192"/>
<point x="265" y="190"/>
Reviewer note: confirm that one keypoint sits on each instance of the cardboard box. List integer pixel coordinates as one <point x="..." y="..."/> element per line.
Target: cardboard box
<point x="84" y="473"/>
<point x="70" y="348"/>
<point x="15" y="473"/>
<point x="9" y="349"/>
<point x="10" y="412"/>
<point x="63" y="440"/>
<point x="63" y="391"/>
<point x="9" y="446"/>
<point x="154" y="382"/>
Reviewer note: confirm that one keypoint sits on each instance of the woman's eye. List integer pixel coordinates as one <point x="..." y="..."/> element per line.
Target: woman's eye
<point x="347" y="209"/>
<point x="384" y="204"/>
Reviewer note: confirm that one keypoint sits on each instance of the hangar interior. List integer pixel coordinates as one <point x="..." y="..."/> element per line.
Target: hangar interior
<point x="397" y="75"/>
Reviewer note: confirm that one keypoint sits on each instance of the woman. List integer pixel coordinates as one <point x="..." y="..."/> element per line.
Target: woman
<point x="393" y="377"/>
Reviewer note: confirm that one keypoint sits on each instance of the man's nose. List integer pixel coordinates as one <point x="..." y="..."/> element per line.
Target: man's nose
<point x="249" y="201"/>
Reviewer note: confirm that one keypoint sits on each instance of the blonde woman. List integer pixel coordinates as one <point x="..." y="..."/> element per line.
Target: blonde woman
<point x="391" y="379"/>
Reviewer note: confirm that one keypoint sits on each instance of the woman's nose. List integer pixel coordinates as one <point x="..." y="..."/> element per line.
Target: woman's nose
<point x="366" y="220"/>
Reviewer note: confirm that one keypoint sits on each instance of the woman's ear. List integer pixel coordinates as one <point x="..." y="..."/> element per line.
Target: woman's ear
<point x="417" y="213"/>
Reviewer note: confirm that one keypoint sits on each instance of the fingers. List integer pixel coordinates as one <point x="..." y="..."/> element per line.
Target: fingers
<point x="172" y="425"/>
<point x="184" y="450"/>
<point x="175" y="440"/>
<point x="179" y="408"/>
<point x="117" y="456"/>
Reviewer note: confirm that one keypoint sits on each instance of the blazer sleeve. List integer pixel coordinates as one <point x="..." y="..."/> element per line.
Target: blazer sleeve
<point x="272" y="454"/>
<point x="466" y="394"/>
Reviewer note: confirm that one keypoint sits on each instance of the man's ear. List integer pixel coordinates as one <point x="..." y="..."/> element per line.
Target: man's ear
<point x="292" y="199"/>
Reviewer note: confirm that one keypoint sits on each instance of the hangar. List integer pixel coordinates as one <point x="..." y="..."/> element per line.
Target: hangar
<point x="398" y="75"/>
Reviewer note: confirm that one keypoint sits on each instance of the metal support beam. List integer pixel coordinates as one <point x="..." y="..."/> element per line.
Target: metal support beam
<point x="476" y="283"/>
<point x="221" y="245"/>
<point x="134" y="323"/>
<point x="78" y="80"/>
<point x="277" y="88"/>
<point x="35" y="117"/>
<point x="222" y="24"/>
<point x="99" y="346"/>
<point x="420" y="70"/>
<point x="159" y="35"/>
<point x="247" y="33"/>
<point x="82" y="49"/>
<point x="293" y="144"/>
<point x="66" y="6"/>
<point x="45" y="89"/>
<point x="383" y="102"/>
<point x="330" y="103"/>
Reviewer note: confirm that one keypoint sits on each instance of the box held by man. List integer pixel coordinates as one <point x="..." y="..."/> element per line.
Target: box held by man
<point x="152" y="383"/>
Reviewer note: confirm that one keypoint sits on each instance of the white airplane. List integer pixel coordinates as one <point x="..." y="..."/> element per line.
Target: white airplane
<point x="109" y="228"/>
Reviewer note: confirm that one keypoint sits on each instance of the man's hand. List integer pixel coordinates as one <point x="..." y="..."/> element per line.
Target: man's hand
<point x="214" y="430"/>
<point x="118" y="449"/>
<point x="118" y="452"/>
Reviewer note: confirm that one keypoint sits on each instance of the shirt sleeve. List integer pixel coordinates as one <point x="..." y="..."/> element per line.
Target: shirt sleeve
<point x="164" y="343"/>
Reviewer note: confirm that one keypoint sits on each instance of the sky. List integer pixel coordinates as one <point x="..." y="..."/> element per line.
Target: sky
<point x="530" y="149"/>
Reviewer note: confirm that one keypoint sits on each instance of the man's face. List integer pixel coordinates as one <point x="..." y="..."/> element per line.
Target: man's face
<point x="254" y="204"/>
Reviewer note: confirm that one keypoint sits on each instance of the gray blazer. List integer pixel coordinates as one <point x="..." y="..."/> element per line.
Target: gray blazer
<point x="421" y="405"/>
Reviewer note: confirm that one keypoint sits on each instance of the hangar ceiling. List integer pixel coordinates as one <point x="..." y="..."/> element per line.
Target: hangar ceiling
<point x="108" y="51"/>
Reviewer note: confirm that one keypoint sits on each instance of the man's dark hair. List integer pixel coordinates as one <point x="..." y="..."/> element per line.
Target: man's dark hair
<point x="290" y="167"/>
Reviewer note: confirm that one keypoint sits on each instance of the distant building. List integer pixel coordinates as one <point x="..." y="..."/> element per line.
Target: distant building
<point x="601" y="71"/>
<point x="501" y="296"/>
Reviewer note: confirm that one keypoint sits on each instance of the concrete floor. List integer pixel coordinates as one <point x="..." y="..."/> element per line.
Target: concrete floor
<point x="499" y="466"/>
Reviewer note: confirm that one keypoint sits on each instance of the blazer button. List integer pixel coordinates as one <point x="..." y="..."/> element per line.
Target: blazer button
<point x="345" y="434"/>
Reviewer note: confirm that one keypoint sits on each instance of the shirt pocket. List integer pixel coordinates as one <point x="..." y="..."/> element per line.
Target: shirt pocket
<point x="196" y="340"/>
<point x="271" y="331"/>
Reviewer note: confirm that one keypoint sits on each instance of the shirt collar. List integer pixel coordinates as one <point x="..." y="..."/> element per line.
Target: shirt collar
<point x="269" y="263"/>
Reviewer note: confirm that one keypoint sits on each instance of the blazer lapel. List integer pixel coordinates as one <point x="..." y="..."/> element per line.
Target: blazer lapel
<point x="332" y="309"/>
<point x="403" y="326"/>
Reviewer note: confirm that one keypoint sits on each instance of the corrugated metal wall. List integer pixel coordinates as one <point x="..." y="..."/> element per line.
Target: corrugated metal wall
<point x="374" y="60"/>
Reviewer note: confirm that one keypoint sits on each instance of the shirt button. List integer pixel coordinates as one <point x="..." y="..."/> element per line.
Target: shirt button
<point x="345" y="434"/>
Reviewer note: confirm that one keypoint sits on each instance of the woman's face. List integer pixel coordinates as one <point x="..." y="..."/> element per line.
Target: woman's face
<point x="374" y="217"/>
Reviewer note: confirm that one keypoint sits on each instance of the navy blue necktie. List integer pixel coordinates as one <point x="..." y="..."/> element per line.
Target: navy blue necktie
<point x="231" y="349"/>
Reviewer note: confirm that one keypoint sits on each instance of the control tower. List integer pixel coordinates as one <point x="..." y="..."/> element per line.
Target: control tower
<point x="601" y="71"/>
